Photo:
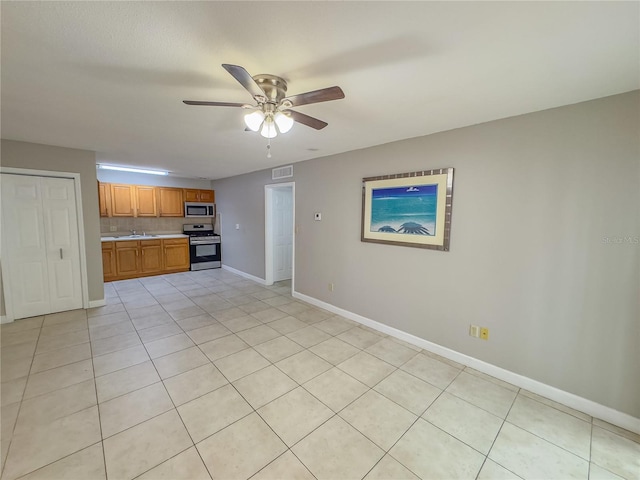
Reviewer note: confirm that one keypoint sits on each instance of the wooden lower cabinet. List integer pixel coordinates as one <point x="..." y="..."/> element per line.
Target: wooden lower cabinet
<point x="140" y="258"/>
<point x="151" y="256"/>
<point x="109" y="261"/>
<point x="176" y="255"/>
<point x="127" y="262"/>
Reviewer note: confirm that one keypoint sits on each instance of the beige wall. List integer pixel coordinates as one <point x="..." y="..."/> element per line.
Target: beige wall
<point x="240" y="201"/>
<point x="45" y="157"/>
<point x="534" y="198"/>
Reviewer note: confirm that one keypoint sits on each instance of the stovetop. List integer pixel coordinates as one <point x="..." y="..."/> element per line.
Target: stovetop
<point x="199" y="230"/>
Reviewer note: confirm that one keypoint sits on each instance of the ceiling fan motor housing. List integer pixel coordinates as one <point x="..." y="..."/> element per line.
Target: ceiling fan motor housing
<point x="275" y="88"/>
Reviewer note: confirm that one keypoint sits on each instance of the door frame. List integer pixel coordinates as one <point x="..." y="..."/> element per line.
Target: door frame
<point x="268" y="231"/>
<point x="8" y="305"/>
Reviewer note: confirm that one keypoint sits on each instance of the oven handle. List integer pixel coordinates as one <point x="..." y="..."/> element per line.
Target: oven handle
<point x="205" y="242"/>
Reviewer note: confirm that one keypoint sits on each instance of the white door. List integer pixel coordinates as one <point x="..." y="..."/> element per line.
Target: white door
<point x="39" y="226"/>
<point x="63" y="250"/>
<point x="282" y="233"/>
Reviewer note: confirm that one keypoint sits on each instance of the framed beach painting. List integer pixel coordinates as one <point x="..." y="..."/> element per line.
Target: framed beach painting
<point x="410" y="209"/>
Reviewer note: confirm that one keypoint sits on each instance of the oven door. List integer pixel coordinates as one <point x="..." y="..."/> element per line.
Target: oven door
<point x="205" y="255"/>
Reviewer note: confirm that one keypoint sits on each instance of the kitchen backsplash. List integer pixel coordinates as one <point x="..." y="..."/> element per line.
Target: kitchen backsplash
<point x="164" y="225"/>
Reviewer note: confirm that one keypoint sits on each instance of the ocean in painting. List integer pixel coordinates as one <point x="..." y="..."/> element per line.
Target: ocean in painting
<point x="410" y="209"/>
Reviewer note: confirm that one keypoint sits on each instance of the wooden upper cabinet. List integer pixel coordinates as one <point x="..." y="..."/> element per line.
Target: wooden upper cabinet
<point x="104" y="199"/>
<point x="123" y="200"/>
<point x="195" y="195"/>
<point x="170" y="202"/>
<point x="191" y="195"/>
<point x="207" y="196"/>
<point x="120" y="200"/>
<point x="146" y="205"/>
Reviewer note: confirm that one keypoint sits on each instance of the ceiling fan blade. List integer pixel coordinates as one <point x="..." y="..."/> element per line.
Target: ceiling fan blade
<point x="245" y="79"/>
<point x="317" y="96"/>
<point x="307" y="120"/>
<point x="214" y="104"/>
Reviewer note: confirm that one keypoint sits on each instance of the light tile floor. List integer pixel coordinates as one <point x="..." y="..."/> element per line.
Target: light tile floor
<point x="205" y="375"/>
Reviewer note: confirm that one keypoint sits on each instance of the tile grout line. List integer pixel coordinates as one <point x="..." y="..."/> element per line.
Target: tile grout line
<point x="95" y="391"/>
<point x="22" y="400"/>
<point x="24" y="391"/>
<point x="281" y="335"/>
<point x="504" y="420"/>
<point x="174" y="409"/>
<point x="388" y="452"/>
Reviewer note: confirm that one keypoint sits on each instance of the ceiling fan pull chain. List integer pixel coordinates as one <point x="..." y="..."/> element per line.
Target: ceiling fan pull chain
<point x="269" y="148"/>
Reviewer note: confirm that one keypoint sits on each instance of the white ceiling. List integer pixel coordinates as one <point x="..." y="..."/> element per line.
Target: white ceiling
<point x="111" y="76"/>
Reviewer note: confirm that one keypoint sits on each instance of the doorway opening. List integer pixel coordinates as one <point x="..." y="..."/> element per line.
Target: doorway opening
<point x="279" y="232"/>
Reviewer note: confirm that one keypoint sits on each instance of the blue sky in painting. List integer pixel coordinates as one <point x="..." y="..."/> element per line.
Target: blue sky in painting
<point x="410" y="191"/>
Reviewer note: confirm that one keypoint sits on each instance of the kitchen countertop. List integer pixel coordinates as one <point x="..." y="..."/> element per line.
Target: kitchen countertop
<point x="119" y="238"/>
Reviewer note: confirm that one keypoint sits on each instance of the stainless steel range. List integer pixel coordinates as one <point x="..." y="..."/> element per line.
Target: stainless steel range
<point x="204" y="246"/>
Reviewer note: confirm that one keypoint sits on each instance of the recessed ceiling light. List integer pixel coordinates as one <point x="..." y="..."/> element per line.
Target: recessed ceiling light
<point x="133" y="170"/>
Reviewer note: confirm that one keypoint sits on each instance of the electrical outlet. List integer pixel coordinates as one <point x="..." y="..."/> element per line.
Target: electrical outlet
<point x="317" y="216"/>
<point x="113" y="228"/>
<point x="484" y="333"/>
<point x="237" y="226"/>
<point x="474" y="331"/>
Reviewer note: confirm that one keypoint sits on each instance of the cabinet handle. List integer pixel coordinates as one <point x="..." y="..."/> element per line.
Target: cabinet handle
<point x="60" y="254"/>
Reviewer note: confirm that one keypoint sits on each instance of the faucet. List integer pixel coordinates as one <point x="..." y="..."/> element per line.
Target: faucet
<point x="133" y="232"/>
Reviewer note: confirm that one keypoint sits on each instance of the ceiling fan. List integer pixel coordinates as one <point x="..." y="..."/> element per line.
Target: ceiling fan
<point x="272" y="111"/>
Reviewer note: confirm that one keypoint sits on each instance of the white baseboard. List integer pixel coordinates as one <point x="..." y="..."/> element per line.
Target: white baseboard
<point x="261" y="281"/>
<point x="97" y="303"/>
<point x="571" y="400"/>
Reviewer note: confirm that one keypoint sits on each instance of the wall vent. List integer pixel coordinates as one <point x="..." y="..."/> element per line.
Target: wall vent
<point x="282" y="172"/>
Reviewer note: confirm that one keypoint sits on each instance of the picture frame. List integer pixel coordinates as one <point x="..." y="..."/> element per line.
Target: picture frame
<point x="409" y="209"/>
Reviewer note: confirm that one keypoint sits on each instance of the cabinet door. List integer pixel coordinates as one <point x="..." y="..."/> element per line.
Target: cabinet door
<point x="104" y="199"/>
<point x="207" y="196"/>
<point x="176" y="254"/>
<point x="109" y="261"/>
<point x="127" y="258"/>
<point x="171" y="203"/>
<point x="146" y="205"/>
<point x="122" y="200"/>
<point x="191" y="195"/>
<point x="151" y="256"/>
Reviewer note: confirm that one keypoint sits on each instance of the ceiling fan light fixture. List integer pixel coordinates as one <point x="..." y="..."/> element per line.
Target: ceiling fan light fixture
<point x="254" y="119"/>
<point x="269" y="128"/>
<point x="284" y="122"/>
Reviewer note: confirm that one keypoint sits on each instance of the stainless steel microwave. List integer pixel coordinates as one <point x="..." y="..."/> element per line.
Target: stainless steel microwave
<point x="193" y="209"/>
